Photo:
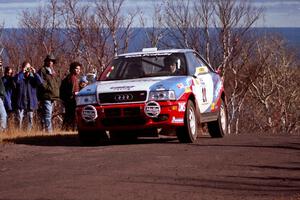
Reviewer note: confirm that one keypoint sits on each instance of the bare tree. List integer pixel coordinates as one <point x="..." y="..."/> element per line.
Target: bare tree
<point x="76" y="18"/>
<point x="205" y="10"/>
<point x="39" y="36"/>
<point x="179" y="23"/>
<point x="275" y="91"/>
<point x="155" y="32"/>
<point x="119" y="25"/>
<point x="233" y="19"/>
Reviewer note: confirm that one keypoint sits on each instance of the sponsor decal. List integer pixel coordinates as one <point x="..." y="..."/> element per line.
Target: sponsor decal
<point x="218" y="88"/>
<point x="152" y="109"/>
<point x="177" y="120"/>
<point x="212" y="107"/>
<point x="197" y="82"/>
<point x="202" y="82"/>
<point x="110" y="70"/>
<point x="89" y="113"/>
<point x="160" y="88"/>
<point x="180" y="85"/>
<point x="181" y="106"/>
<point x="121" y="88"/>
<point x="188" y="90"/>
<point x="201" y="70"/>
<point x="204" y="98"/>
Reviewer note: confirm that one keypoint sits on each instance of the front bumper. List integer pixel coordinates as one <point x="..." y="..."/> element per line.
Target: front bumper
<point x="132" y="116"/>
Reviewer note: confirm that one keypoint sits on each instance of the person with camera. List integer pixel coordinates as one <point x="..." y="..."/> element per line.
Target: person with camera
<point x="48" y="92"/>
<point x="25" y="101"/>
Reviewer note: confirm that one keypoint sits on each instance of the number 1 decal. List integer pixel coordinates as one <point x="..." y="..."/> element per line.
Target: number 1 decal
<point x="204" y="95"/>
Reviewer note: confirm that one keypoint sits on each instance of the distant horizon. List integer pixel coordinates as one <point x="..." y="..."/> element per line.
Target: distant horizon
<point x="277" y="13"/>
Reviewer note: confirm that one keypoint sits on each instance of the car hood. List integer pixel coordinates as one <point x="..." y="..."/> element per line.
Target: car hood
<point x="175" y="83"/>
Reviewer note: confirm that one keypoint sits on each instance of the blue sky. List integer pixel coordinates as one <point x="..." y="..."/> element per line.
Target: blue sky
<point x="278" y="13"/>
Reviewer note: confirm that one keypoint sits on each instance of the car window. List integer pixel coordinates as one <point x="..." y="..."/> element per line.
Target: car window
<point x="146" y="66"/>
<point x="194" y="62"/>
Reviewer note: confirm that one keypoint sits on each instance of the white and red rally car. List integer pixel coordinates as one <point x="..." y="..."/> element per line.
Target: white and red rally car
<point x="153" y="89"/>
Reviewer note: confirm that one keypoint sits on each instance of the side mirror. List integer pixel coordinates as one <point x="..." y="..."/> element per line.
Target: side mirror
<point x="219" y="70"/>
<point x="106" y="73"/>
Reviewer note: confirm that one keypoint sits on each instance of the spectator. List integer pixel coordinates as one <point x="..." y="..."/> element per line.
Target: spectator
<point x="68" y="89"/>
<point x="27" y="81"/>
<point x="3" y="115"/>
<point x="10" y="86"/>
<point x="48" y="92"/>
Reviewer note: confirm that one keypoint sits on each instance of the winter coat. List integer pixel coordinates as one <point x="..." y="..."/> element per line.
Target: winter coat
<point x="68" y="88"/>
<point x="49" y="90"/>
<point x="2" y="90"/>
<point x="10" y="86"/>
<point x="26" y="91"/>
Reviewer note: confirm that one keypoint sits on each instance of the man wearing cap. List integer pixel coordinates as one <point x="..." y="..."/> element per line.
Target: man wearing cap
<point x="49" y="92"/>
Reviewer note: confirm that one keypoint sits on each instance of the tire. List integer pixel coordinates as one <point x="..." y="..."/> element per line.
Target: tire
<point x="219" y="128"/>
<point x="93" y="138"/>
<point x="189" y="132"/>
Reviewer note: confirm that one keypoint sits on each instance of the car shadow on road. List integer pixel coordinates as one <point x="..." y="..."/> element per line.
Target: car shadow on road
<point x="47" y="140"/>
<point x="73" y="141"/>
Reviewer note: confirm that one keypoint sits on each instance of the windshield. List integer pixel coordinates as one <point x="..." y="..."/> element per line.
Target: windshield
<point x="147" y="66"/>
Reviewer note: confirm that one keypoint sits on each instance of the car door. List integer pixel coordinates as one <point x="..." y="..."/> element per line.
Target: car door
<point x="203" y="87"/>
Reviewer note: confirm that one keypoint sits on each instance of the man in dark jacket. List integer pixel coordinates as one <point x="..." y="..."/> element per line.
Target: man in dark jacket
<point x="9" y="85"/>
<point x="68" y="89"/>
<point x="49" y="92"/>
<point x="3" y="115"/>
<point x="27" y="81"/>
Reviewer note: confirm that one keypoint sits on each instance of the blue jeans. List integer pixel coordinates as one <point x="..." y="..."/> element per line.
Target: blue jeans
<point x="47" y="108"/>
<point x="20" y="117"/>
<point x="3" y="116"/>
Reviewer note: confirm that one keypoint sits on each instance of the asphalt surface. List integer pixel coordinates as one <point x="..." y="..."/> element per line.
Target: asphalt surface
<point x="234" y="167"/>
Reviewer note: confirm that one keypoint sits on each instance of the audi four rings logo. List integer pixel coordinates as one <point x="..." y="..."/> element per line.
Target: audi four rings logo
<point x="123" y="97"/>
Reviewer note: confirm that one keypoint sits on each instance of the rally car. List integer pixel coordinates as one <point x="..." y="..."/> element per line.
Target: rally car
<point x="153" y="89"/>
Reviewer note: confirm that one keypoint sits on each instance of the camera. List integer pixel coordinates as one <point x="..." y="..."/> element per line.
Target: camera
<point x="27" y="69"/>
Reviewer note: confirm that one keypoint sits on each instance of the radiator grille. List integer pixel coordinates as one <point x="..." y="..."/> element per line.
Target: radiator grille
<point x="123" y="97"/>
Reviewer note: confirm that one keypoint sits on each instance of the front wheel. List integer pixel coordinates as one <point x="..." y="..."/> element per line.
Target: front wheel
<point x="189" y="132"/>
<point x="219" y="128"/>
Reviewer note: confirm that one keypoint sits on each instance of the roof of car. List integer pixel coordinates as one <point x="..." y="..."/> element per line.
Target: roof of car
<point x="153" y="51"/>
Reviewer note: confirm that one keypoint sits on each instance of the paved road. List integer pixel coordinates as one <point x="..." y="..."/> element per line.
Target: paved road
<point x="235" y="167"/>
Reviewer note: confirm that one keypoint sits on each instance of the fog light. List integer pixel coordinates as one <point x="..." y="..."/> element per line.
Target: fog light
<point x="152" y="109"/>
<point x="89" y="113"/>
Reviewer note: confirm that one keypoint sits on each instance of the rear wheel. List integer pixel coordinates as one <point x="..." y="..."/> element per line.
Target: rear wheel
<point x="92" y="138"/>
<point x="189" y="132"/>
<point x="219" y="128"/>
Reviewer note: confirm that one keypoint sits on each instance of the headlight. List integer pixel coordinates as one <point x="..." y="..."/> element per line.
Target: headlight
<point x="164" y="95"/>
<point x="84" y="100"/>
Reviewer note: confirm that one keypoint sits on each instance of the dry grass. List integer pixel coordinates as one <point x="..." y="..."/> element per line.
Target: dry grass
<point x="14" y="134"/>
